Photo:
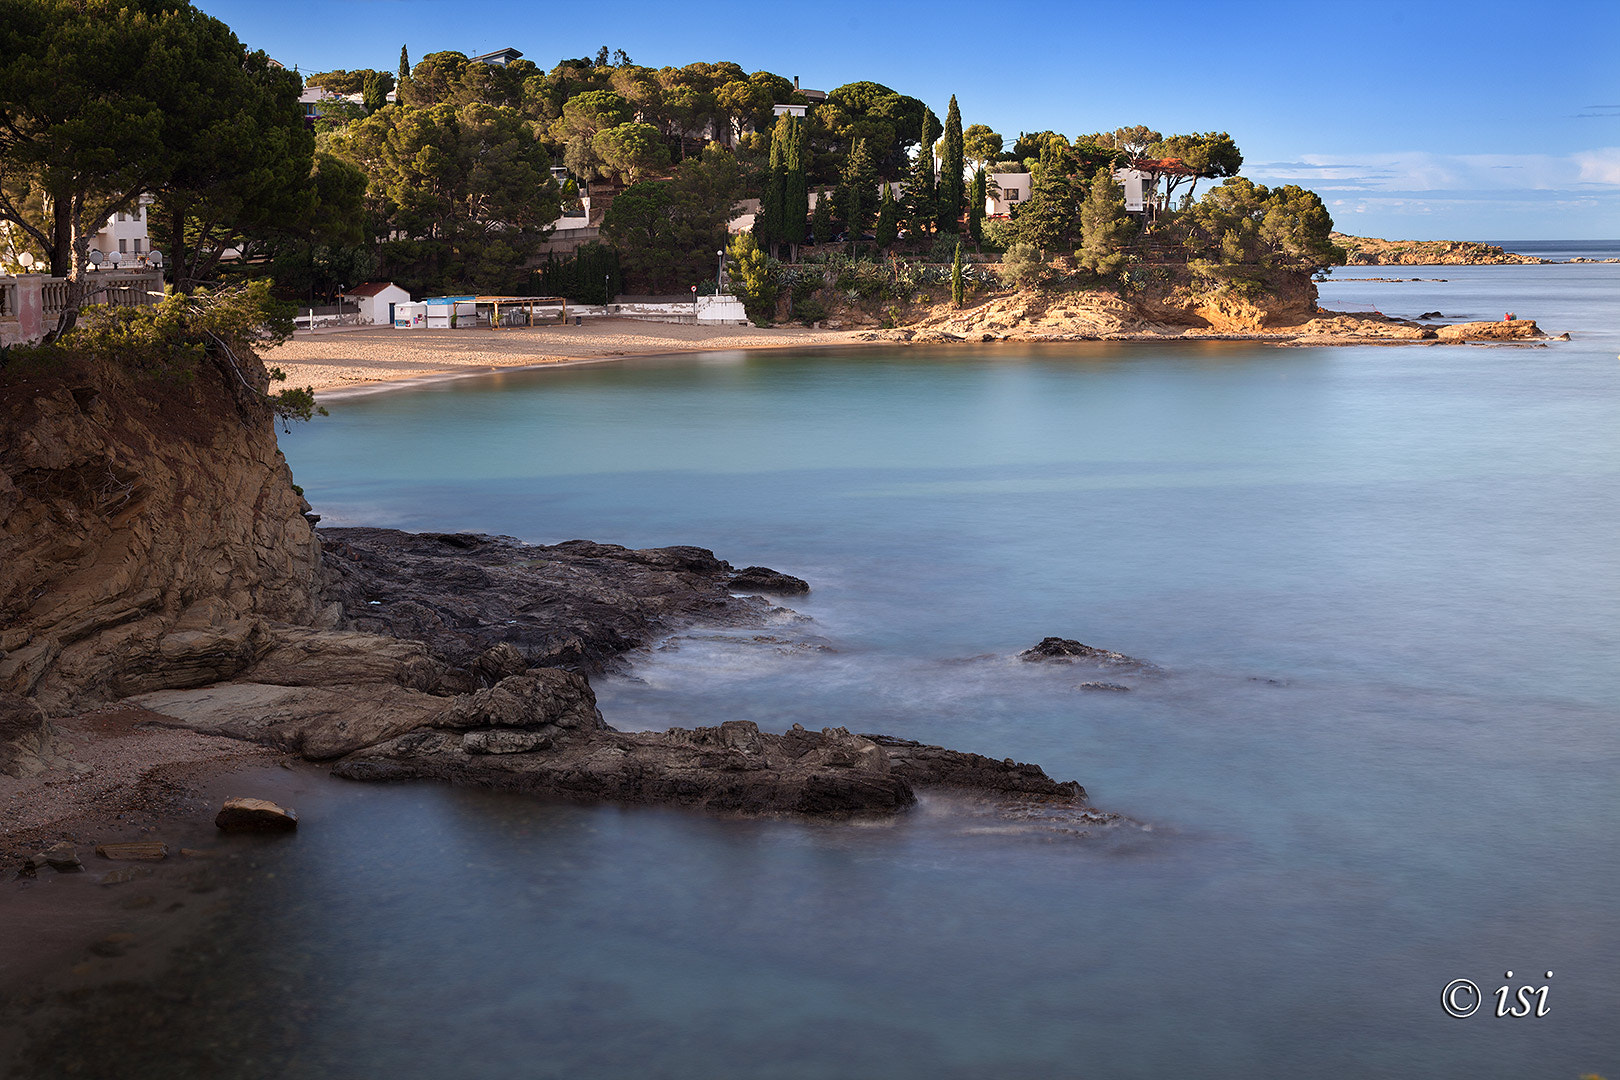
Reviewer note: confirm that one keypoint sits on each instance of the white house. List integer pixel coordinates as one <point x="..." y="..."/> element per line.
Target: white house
<point x="1139" y="188"/>
<point x="498" y="58"/>
<point x="125" y="234"/>
<point x="378" y="301"/>
<point x="1006" y="191"/>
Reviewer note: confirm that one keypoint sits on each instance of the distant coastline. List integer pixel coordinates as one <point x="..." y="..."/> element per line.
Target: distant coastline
<point x="1370" y="251"/>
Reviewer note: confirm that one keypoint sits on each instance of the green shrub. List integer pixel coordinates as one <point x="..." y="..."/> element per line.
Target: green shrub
<point x="809" y="310"/>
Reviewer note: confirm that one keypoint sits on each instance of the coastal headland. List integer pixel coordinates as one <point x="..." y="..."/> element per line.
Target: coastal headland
<point x="362" y="359"/>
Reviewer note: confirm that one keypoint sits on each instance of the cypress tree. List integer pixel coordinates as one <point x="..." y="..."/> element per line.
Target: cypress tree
<point x="888" y="217"/>
<point x="404" y="64"/>
<point x="821" y="219"/>
<point x="958" y="292"/>
<point x="796" y="195"/>
<point x="920" y="184"/>
<point x="771" y="225"/>
<point x="976" y="196"/>
<point x="948" y="198"/>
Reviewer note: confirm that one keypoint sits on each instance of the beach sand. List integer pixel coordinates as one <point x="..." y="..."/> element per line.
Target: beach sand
<point x="334" y="360"/>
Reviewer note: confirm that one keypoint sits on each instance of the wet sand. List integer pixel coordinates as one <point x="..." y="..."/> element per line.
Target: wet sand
<point x="351" y="359"/>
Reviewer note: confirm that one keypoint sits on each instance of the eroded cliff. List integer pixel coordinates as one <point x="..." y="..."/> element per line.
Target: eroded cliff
<point x="150" y="531"/>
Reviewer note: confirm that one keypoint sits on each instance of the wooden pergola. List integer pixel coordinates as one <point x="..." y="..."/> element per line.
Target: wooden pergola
<point x="528" y="303"/>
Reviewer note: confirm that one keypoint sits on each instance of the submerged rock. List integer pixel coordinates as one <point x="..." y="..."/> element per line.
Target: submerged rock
<point x="255" y="815"/>
<point x="146" y="850"/>
<point x="1063" y="650"/>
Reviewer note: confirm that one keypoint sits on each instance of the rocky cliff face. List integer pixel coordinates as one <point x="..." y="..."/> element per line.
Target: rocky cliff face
<point x="150" y="533"/>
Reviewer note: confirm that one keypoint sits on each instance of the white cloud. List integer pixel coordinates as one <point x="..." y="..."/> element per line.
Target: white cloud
<point x="1600" y="166"/>
<point x="1422" y="171"/>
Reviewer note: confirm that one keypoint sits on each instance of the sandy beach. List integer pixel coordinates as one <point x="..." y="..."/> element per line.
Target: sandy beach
<point x="335" y="360"/>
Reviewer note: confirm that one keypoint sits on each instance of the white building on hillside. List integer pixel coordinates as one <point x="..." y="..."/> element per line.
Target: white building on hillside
<point x="1006" y="191"/>
<point x="125" y="234"/>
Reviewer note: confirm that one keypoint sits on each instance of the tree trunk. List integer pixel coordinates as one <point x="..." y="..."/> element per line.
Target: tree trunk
<point x="177" y="251"/>
<point x="61" y="237"/>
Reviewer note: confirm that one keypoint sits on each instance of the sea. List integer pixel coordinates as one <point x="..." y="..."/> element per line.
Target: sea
<point x="1368" y="794"/>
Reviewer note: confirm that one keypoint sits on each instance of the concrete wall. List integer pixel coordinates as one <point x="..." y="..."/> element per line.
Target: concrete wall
<point x="30" y="304"/>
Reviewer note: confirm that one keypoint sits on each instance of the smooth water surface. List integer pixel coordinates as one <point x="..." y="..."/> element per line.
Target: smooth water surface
<point x="1383" y="587"/>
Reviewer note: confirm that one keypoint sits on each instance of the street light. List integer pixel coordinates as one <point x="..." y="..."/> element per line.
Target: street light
<point x="719" y="275"/>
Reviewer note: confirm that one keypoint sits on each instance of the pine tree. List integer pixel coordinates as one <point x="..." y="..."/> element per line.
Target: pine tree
<point x="888" y="217"/>
<point x="1050" y="219"/>
<point x="855" y="193"/>
<point x="948" y="199"/>
<point x="977" y="192"/>
<point x="404" y="64"/>
<point x="920" y="185"/>
<point x="821" y="219"/>
<point x="1105" y="225"/>
<point x="958" y="292"/>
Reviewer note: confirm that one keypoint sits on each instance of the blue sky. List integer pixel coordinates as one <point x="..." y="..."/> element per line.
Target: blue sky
<point x="1416" y="120"/>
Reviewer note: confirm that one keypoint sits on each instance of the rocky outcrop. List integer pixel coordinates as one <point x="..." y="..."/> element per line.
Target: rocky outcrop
<point x="25" y="738"/>
<point x="1063" y="650"/>
<point x="540" y="733"/>
<point x="1506" y="330"/>
<point x="764" y="579"/>
<point x="1283" y="312"/>
<point x="1368" y="251"/>
<point x="578" y="605"/>
<point x="150" y="533"/>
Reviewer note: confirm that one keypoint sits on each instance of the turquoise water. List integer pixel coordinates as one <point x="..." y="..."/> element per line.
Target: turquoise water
<point x="1382" y="583"/>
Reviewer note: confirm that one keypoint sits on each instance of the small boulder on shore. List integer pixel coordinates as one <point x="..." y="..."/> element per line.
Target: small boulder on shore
<point x="255" y="815"/>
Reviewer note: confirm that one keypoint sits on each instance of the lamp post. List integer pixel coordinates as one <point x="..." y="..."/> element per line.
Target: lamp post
<point x="719" y="275"/>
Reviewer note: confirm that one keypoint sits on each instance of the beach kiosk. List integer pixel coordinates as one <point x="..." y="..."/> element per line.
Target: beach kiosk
<point x="443" y="312"/>
<point x="410" y="316"/>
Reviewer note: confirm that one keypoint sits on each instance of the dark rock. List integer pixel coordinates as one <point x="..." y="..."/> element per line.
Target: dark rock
<point x="544" y="697"/>
<point x="255" y="815"/>
<point x="732" y="767"/>
<point x="935" y="765"/>
<point x="1431" y="315"/>
<point x="1117" y="687"/>
<point x="1064" y="650"/>
<point x="578" y="605"/>
<point x="764" y="579"/>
